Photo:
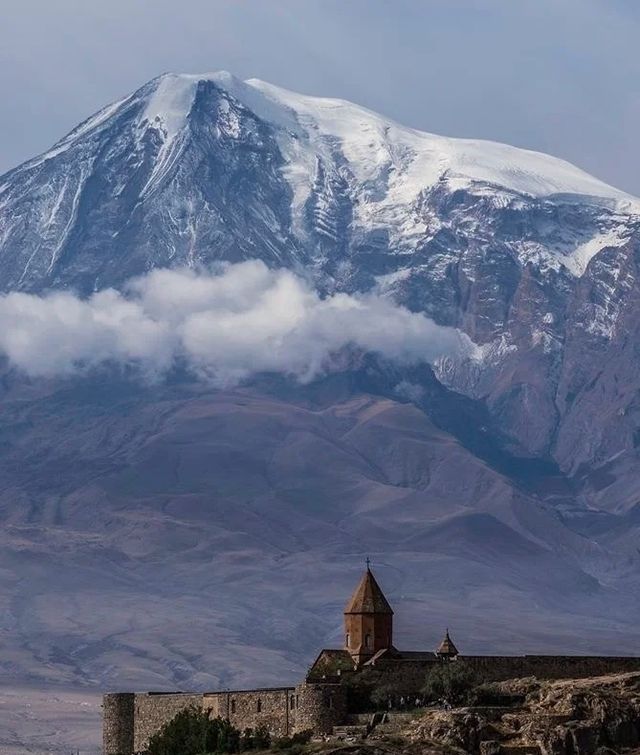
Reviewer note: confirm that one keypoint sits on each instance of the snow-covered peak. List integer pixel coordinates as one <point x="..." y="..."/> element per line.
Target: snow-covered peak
<point x="374" y="148"/>
<point x="371" y="140"/>
<point x="172" y="95"/>
<point x="169" y="104"/>
<point x="218" y="165"/>
<point x="388" y="166"/>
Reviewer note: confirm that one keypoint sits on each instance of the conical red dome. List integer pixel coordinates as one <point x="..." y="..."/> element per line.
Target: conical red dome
<point x="368" y="597"/>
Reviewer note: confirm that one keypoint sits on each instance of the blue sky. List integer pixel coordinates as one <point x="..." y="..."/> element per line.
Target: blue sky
<point x="561" y="76"/>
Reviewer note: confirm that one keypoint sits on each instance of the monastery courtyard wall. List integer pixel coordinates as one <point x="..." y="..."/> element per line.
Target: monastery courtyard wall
<point x="498" y="668"/>
<point x="410" y="675"/>
<point x="131" y="719"/>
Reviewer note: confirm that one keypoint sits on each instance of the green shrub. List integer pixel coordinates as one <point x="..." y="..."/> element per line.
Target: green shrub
<point x="255" y="739"/>
<point x="192" y="732"/>
<point x="293" y="743"/>
<point x="358" y="688"/>
<point x="449" y="681"/>
<point x="382" y="693"/>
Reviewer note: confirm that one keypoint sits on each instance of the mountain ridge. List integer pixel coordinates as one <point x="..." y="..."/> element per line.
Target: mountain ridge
<point x="268" y="100"/>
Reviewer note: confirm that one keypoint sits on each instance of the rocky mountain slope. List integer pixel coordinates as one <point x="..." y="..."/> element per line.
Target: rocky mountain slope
<point x="131" y="512"/>
<point x="593" y="716"/>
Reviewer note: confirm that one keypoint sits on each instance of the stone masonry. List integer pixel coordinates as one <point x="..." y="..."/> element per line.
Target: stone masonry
<point x="129" y="720"/>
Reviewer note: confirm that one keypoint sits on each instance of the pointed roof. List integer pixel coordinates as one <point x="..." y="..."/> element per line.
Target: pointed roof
<point x="447" y="648"/>
<point x="368" y="597"/>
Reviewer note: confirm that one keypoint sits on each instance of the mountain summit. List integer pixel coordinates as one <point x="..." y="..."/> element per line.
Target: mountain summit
<point x="189" y="170"/>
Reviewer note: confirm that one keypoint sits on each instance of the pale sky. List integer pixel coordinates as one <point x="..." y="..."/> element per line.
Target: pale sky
<point x="561" y="76"/>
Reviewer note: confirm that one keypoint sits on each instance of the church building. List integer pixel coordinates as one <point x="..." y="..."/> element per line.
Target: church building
<point x="368" y="638"/>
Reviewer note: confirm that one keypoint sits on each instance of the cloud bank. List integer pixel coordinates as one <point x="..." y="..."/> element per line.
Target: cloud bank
<point x="225" y="326"/>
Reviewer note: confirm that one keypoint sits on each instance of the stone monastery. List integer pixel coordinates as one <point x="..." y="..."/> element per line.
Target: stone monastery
<point x="325" y="698"/>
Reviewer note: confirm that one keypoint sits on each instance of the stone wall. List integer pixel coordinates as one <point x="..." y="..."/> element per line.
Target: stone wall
<point x="152" y="711"/>
<point x="497" y="668"/>
<point x="409" y="675"/>
<point x="118" y="723"/>
<point x="129" y="720"/>
<point x="273" y="708"/>
<point x="320" y="707"/>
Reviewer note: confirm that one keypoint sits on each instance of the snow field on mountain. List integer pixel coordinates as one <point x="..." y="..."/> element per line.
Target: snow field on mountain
<point x="350" y="175"/>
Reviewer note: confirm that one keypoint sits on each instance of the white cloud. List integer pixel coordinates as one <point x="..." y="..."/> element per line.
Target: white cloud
<point x="226" y="326"/>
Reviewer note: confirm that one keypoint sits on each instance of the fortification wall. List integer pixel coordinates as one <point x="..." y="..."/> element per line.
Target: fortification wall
<point x="321" y="706"/>
<point x="118" y="723"/>
<point x="152" y="711"/>
<point x="497" y="668"/>
<point x="407" y="675"/>
<point x="129" y="720"/>
<point x="275" y="709"/>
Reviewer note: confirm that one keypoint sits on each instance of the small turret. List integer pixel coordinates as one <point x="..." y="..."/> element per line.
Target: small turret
<point x="447" y="649"/>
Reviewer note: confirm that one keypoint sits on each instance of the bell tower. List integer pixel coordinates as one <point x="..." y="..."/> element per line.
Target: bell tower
<point x="368" y="620"/>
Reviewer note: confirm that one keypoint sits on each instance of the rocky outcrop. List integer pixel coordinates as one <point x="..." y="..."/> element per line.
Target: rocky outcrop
<point x="571" y="717"/>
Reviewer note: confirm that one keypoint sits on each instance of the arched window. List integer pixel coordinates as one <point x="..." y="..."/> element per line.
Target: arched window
<point x="367" y="640"/>
<point x="259" y="705"/>
<point x="347" y="640"/>
<point x="233" y="706"/>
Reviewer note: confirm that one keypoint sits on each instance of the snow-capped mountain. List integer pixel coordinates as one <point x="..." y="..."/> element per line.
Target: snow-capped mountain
<point x="513" y="475"/>
<point x="530" y="256"/>
<point x="192" y="169"/>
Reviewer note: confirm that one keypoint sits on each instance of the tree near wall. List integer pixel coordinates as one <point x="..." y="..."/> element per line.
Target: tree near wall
<point x="192" y="732"/>
<point x="255" y="739"/>
<point x="450" y="682"/>
<point x="388" y="694"/>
